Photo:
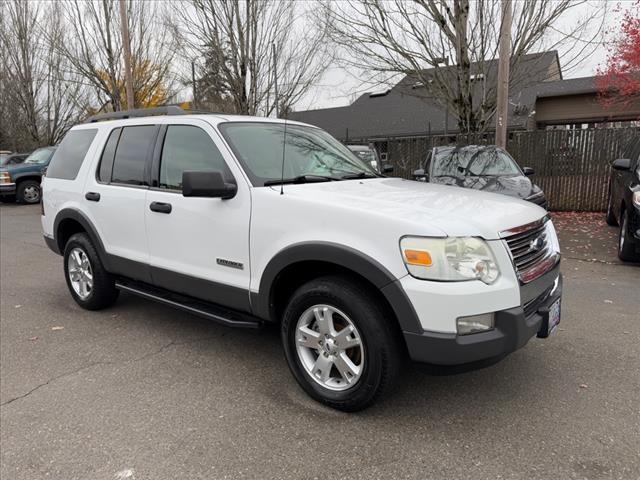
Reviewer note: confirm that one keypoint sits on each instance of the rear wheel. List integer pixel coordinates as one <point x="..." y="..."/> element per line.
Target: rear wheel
<point x="29" y="192"/>
<point x="341" y="346"/>
<point x="626" y="247"/>
<point x="90" y="285"/>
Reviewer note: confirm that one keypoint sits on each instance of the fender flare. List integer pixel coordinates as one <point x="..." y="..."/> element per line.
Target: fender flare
<point x="345" y="257"/>
<point x="87" y="225"/>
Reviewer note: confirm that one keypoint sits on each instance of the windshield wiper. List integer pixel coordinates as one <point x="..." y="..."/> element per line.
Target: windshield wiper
<point x="301" y="179"/>
<point x="349" y="176"/>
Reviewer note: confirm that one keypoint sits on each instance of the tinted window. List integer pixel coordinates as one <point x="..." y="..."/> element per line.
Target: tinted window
<point x="67" y="160"/>
<point x="188" y="148"/>
<point x="108" y="154"/>
<point x="131" y="154"/>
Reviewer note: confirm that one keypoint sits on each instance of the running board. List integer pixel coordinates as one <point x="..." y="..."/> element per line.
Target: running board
<point x="206" y="310"/>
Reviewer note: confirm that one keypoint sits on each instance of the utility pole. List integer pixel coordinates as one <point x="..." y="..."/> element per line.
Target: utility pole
<point x="126" y="47"/>
<point x="193" y="84"/>
<point x="275" y="77"/>
<point x="503" y="75"/>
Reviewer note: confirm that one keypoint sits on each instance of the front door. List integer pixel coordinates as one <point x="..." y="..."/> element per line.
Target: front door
<point x="198" y="246"/>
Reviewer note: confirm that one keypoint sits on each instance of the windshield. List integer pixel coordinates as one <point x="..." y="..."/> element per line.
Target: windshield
<point x="478" y="161"/>
<point x="40" y="156"/>
<point x="365" y="155"/>
<point x="309" y="151"/>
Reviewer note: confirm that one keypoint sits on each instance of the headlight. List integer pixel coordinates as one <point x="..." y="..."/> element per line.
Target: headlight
<point x="451" y="259"/>
<point x="636" y="198"/>
<point x="552" y="237"/>
<point x="5" y="177"/>
<point x="536" y="195"/>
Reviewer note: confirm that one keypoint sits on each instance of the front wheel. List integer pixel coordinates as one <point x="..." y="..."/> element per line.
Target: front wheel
<point x="626" y="248"/>
<point x="610" y="217"/>
<point x="28" y="192"/>
<point x="341" y="345"/>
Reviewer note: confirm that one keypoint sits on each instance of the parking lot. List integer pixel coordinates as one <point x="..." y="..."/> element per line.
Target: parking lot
<point x="141" y="391"/>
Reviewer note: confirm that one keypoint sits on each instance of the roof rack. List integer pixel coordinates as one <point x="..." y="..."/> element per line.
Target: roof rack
<point x="139" y="112"/>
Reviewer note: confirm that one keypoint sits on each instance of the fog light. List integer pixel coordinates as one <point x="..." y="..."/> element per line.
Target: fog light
<point x="474" y="324"/>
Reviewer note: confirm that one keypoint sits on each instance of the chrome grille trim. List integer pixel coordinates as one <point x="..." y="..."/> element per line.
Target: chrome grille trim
<point x="529" y="262"/>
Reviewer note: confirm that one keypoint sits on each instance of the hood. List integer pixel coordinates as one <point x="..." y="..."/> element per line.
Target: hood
<point x="517" y="186"/>
<point x="23" y="167"/>
<point x="423" y="206"/>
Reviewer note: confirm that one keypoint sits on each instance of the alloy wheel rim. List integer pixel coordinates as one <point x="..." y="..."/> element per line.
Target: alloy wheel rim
<point x="80" y="273"/>
<point x="329" y="347"/>
<point x="32" y="193"/>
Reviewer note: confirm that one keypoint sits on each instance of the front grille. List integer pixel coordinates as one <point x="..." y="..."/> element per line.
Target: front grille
<point x="531" y="250"/>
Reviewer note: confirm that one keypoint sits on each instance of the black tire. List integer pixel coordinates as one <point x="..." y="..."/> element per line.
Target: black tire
<point x="626" y="243"/>
<point x="379" y="333"/>
<point x="610" y="216"/>
<point x="29" y="192"/>
<point x="103" y="292"/>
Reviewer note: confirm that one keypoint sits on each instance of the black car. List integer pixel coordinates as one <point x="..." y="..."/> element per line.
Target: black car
<point x="481" y="167"/>
<point x="624" y="201"/>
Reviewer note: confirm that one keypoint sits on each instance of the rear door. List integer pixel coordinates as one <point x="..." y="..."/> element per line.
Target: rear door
<point x="116" y="198"/>
<point x="198" y="246"/>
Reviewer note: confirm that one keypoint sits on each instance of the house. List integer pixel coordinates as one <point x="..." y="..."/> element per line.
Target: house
<point x="539" y="97"/>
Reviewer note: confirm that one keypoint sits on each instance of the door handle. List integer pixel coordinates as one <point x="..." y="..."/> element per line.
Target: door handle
<point x="92" y="196"/>
<point x="160" y="207"/>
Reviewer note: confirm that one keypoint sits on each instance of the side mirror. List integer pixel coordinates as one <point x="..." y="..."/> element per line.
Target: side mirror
<point x="528" y="171"/>
<point x="387" y="168"/>
<point x="207" y="184"/>
<point x="622" y="164"/>
<point x="420" y="175"/>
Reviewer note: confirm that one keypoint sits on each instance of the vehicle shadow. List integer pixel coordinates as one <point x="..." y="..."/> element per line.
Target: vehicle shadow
<point x="470" y="398"/>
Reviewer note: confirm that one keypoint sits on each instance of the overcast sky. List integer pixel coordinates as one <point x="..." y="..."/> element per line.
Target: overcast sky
<point x="340" y="87"/>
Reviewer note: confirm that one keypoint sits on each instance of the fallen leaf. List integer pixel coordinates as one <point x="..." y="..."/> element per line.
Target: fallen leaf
<point x="33" y="339"/>
<point x="57" y="328"/>
<point x="584" y="385"/>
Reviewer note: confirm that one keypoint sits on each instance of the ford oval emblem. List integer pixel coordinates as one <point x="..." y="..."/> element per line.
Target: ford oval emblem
<point x="536" y="244"/>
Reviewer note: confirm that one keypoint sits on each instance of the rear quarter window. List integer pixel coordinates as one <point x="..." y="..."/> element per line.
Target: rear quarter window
<point x="68" y="158"/>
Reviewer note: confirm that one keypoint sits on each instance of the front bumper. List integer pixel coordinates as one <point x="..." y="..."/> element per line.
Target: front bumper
<point x="513" y="329"/>
<point x="7" y="189"/>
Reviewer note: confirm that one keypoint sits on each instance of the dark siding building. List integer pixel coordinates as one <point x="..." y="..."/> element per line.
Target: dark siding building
<point x="538" y="97"/>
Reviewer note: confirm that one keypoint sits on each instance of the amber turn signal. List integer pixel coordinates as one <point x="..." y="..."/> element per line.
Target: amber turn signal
<point x="418" y="257"/>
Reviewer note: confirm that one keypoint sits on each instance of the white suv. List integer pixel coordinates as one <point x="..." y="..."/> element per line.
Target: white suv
<point x="251" y="221"/>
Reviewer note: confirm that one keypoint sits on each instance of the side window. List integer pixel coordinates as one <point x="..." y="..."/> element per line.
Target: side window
<point x="131" y="154"/>
<point x="68" y="158"/>
<point x="188" y="148"/>
<point x="108" y="154"/>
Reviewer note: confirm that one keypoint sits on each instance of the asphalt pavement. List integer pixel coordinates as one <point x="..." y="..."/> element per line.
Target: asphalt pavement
<point x="141" y="391"/>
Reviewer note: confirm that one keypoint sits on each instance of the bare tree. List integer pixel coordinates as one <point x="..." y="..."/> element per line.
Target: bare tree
<point x="446" y="46"/>
<point x="232" y="41"/>
<point x="93" y="46"/>
<point x="39" y="100"/>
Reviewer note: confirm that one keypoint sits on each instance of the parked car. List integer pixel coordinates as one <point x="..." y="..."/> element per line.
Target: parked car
<point x="368" y="155"/>
<point x="249" y="221"/>
<point x="8" y="158"/>
<point x="23" y="179"/>
<point x="480" y="167"/>
<point x="623" y="207"/>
